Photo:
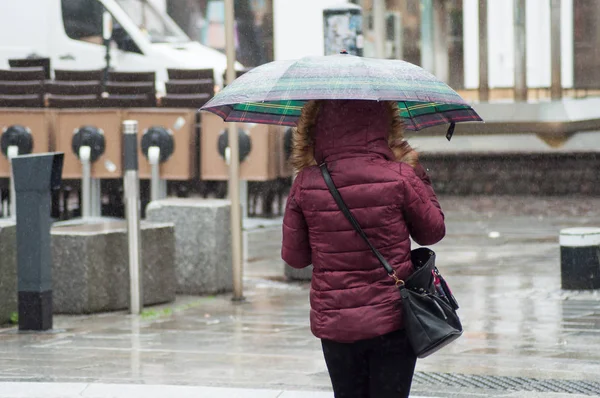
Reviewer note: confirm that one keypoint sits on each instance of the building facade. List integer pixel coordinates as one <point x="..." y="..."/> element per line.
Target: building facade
<point x="453" y="24"/>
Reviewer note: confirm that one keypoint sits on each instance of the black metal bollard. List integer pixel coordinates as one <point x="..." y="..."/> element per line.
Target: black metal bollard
<point x="35" y="176"/>
<point x="580" y="258"/>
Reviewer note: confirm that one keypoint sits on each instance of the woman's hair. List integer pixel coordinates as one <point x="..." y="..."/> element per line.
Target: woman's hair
<point x="303" y="137"/>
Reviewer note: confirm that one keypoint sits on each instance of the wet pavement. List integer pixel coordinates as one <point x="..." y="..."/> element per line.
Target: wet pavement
<point x="500" y="255"/>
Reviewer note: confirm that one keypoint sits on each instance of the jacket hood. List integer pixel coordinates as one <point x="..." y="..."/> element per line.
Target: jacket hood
<point x="351" y="127"/>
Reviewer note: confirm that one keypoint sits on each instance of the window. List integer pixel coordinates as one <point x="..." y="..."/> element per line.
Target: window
<point x="83" y="20"/>
<point x="152" y="23"/>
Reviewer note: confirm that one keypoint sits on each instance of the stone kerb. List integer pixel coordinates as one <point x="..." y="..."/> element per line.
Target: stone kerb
<point x="91" y="266"/>
<point x="202" y="242"/>
<point x="8" y="269"/>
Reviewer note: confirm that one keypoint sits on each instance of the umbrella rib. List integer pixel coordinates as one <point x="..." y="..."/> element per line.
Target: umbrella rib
<point x="373" y="86"/>
<point x="283" y="115"/>
<point x="275" y="83"/>
<point x="410" y="116"/>
<point x="246" y="111"/>
<point x="392" y="76"/>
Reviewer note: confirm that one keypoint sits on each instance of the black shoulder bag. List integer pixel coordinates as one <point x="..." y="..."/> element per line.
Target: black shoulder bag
<point x="429" y="308"/>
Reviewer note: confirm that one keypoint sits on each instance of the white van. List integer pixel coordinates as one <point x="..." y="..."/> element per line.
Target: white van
<point x="69" y="32"/>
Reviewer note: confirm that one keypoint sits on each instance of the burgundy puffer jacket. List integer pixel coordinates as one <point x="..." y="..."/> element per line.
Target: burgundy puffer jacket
<point x="352" y="298"/>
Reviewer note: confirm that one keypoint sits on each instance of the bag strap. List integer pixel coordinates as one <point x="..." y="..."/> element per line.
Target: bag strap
<point x="340" y="202"/>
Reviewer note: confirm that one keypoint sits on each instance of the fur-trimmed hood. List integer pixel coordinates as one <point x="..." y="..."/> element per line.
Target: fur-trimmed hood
<point x="332" y="129"/>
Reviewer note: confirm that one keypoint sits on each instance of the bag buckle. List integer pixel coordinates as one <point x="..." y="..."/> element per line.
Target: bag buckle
<point x="399" y="282"/>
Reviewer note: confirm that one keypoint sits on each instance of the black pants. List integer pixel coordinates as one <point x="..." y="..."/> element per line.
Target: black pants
<point x="376" y="368"/>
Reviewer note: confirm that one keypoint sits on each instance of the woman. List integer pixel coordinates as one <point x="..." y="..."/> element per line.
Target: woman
<point x="355" y="307"/>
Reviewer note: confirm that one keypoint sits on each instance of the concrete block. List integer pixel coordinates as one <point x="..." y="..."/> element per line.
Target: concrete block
<point x="202" y="242"/>
<point x="91" y="266"/>
<point x="8" y="269"/>
<point x="295" y="274"/>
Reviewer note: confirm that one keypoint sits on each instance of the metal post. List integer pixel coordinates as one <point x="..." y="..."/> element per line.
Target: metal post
<point x="155" y="193"/>
<point x="244" y="199"/>
<point x="95" y="198"/>
<point x="12" y="152"/>
<point x="234" y="167"/>
<point x="106" y="36"/>
<point x="379" y="27"/>
<point x="154" y="159"/>
<point x="132" y="207"/>
<point x="427" y="45"/>
<point x="398" y="37"/>
<point x="520" y="50"/>
<point x="244" y="206"/>
<point x="484" y="82"/>
<point x="555" y="52"/>
<point x="440" y="40"/>
<point x="86" y="177"/>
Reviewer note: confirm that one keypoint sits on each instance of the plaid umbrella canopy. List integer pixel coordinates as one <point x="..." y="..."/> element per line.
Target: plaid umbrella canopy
<point x="275" y="93"/>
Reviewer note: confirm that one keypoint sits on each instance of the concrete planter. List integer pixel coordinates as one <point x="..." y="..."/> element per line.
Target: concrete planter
<point x="8" y="269"/>
<point x="91" y="266"/>
<point x="202" y="242"/>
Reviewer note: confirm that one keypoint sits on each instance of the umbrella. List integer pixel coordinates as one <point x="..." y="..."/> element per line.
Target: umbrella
<point x="275" y="93"/>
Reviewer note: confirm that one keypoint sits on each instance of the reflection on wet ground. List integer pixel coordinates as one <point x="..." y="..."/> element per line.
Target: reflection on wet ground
<point x="501" y="257"/>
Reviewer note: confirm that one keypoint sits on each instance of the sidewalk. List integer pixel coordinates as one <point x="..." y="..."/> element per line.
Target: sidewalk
<point x="524" y="337"/>
<point x="77" y="390"/>
<point x="93" y="390"/>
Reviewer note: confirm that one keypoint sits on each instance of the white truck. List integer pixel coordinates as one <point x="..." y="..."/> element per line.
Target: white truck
<point x="70" y="33"/>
